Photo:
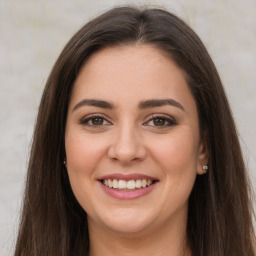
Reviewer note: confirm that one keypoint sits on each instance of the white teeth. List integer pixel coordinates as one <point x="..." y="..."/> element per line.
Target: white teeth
<point x="110" y="183"/>
<point x="138" y="184"/>
<point x="115" y="183"/>
<point x="122" y="184"/>
<point x="130" y="184"/>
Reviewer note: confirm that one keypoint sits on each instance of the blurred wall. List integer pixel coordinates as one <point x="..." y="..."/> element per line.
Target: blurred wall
<point x="33" y="32"/>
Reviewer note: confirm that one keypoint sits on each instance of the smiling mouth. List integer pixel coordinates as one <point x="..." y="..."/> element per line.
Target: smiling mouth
<point x="127" y="185"/>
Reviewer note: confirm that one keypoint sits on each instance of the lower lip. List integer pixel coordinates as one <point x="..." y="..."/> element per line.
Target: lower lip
<point x="126" y="194"/>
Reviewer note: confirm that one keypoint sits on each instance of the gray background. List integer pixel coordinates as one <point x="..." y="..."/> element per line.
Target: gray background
<point x="33" y="32"/>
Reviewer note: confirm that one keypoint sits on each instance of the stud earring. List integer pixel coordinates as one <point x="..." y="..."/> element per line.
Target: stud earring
<point x="205" y="167"/>
<point x="64" y="162"/>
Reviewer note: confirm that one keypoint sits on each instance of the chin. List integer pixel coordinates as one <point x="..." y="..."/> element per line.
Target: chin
<point x="127" y="229"/>
<point x="128" y="221"/>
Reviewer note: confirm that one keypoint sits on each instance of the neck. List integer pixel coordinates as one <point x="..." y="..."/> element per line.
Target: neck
<point x="165" y="240"/>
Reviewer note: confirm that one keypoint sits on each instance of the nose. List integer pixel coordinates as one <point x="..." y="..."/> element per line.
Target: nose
<point x="127" y="146"/>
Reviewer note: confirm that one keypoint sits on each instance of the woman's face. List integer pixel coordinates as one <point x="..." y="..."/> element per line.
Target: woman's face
<point x="132" y="140"/>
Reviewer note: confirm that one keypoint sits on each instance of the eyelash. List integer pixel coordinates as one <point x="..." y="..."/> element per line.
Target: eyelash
<point x="86" y="121"/>
<point x="168" y="121"/>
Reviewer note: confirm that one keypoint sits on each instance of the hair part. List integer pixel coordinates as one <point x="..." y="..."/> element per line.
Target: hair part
<point x="220" y="209"/>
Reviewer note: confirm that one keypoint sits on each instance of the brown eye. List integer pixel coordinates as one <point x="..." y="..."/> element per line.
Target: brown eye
<point x="159" y="121"/>
<point x="97" y="121"/>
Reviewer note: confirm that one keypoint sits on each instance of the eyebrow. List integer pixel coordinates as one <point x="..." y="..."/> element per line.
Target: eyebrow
<point x="93" y="102"/>
<point x="142" y="105"/>
<point x="159" y="103"/>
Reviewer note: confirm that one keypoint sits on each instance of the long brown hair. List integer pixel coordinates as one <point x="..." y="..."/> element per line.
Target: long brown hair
<point x="220" y="209"/>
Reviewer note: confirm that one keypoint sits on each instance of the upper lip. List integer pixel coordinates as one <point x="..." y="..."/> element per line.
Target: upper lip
<point x="132" y="176"/>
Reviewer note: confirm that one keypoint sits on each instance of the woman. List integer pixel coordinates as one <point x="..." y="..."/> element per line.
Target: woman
<point x="135" y="150"/>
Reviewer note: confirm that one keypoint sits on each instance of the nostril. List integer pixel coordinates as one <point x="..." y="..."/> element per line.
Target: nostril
<point x="127" y="152"/>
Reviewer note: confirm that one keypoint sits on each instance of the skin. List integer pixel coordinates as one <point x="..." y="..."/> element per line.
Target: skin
<point x="127" y="139"/>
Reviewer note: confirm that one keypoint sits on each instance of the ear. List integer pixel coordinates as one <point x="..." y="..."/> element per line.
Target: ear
<point x="203" y="155"/>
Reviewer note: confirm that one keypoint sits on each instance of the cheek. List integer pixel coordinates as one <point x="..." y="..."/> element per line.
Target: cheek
<point x="177" y="152"/>
<point x="83" y="152"/>
<point x="177" y="160"/>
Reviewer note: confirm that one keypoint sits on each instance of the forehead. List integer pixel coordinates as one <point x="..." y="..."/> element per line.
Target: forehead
<point x="129" y="74"/>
